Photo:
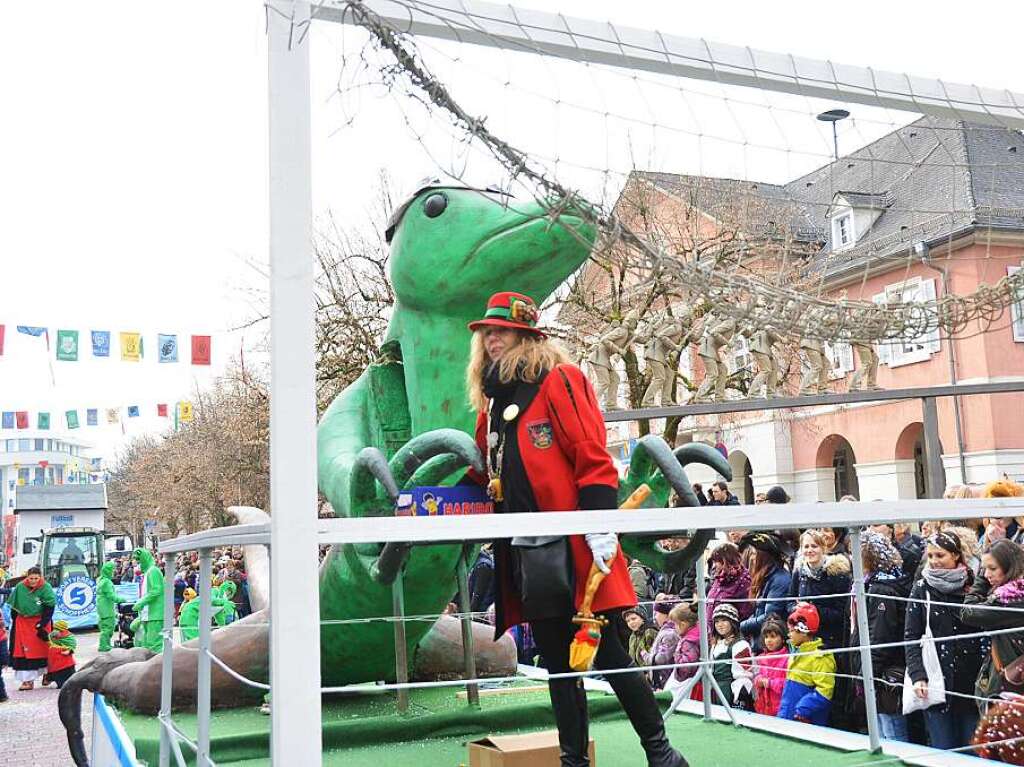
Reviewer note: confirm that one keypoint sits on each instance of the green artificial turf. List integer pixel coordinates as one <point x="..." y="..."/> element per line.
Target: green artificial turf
<point x="366" y="731"/>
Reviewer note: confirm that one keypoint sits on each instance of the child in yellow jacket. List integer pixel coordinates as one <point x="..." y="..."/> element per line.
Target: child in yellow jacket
<point x="811" y="674"/>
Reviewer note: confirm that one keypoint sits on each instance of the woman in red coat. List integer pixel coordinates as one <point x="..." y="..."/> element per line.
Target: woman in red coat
<point x="543" y="436"/>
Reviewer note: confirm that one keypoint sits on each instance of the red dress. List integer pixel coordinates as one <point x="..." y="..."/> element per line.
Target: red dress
<point x="29" y="651"/>
<point x="561" y="444"/>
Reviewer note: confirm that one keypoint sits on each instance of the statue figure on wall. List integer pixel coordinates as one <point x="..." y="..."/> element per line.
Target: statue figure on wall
<point x="717" y="334"/>
<point x="667" y="337"/>
<point x="614" y="343"/>
<point x="867" y="370"/>
<point x="762" y="339"/>
<point x="815" y="380"/>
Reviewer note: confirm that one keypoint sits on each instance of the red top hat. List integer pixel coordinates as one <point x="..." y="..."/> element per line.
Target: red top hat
<point x="510" y="310"/>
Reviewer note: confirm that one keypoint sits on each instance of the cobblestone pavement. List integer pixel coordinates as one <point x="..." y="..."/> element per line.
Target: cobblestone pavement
<point x="30" y="730"/>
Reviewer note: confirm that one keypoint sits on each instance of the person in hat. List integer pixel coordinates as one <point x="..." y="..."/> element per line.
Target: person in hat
<point x="542" y="435"/>
<point x="642" y="634"/>
<point x="32" y="602"/>
<point x="733" y="667"/>
<point x="936" y="601"/>
<point x="60" y="660"/>
<point x="150" y="607"/>
<point x="663" y="649"/>
<point x="107" y="600"/>
<point x="811" y="673"/>
<point x="769" y="581"/>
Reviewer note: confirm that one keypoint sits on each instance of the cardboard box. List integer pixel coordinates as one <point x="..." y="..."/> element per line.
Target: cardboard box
<point x="537" y="749"/>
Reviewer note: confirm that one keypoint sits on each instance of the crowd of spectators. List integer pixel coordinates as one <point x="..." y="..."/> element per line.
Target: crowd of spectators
<point x="781" y="623"/>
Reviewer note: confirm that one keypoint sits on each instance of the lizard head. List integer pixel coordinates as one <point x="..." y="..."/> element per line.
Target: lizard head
<point x="451" y="248"/>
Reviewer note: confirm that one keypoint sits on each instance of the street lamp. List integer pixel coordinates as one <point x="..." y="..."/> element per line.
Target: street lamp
<point x="833" y="116"/>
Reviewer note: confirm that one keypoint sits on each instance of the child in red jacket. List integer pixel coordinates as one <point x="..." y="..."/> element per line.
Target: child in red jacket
<point x="60" y="662"/>
<point x="770" y="668"/>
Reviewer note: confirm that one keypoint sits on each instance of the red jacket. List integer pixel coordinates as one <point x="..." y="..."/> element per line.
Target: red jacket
<point x="58" y="659"/>
<point x="561" y="444"/>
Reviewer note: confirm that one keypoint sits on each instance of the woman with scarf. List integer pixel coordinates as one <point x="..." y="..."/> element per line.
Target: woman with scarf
<point x="818" y="574"/>
<point x="996" y="602"/>
<point x="886" y="587"/>
<point x="944" y="584"/>
<point x="32" y="602"/>
<point x="542" y="434"/>
<point x="730" y="583"/>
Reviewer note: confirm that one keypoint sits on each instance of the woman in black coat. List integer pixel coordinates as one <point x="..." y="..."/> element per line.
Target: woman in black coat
<point x="945" y="581"/>
<point x="817" y="574"/>
<point x="886" y="586"/>
<point x="996" y="602"/>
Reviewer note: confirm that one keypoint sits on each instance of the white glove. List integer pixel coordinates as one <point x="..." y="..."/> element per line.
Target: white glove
<point x="603" y="546"/>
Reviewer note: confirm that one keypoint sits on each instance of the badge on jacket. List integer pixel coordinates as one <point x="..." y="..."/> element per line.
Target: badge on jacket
<point x="540" y="434"/>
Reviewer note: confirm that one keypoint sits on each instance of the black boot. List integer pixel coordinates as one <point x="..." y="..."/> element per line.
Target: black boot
<point x="569" y="702"/>
<point x="637" y="698"/>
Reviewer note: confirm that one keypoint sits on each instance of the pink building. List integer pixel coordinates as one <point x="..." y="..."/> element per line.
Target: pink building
<point x="933" y="208"/>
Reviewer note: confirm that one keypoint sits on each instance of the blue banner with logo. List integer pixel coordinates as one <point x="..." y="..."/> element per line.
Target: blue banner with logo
<point x="444" y="501"/>
<point x="167" y="345"/>
<point x="100" y="343"/>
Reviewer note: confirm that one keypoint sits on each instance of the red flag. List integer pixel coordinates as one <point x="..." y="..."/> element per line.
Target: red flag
<point x="161" y="410"/>
<point x="1" y="339"/>
<point x="200" y="350"/>
<point x="22" y="417"/>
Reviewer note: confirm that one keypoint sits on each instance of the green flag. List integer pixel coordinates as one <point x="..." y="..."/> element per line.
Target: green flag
<point x="67" y="345"/>
<point x="72" y="416"/>
<point x="43" y="422"/>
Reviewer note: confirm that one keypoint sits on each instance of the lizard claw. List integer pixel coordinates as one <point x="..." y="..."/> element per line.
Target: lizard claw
<point x="370" y="467"/>
<point x="420" y="449"/>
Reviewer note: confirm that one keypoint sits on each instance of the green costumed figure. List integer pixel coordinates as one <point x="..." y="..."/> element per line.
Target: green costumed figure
<point x="188" y="616"/>
<point x="107" y="601"/>
<point x="227" y="614"/>
<point x="150" y="608"/>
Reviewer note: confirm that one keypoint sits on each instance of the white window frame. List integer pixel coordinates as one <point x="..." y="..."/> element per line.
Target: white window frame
<point x="740" y="357"/>
<point x="840" y="356"/>
<point x="837" y="218"/>
<point x="908" y="352"/>
<point x="1017" y="310"/>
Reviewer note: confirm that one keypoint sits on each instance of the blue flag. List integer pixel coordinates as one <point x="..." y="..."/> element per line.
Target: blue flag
<point x="100" y="343"/>
<point x="167" y="346"/>
<point x="133" y="411"/>
<point x="92" y="417"/>
<point x="31" y="330"/>
<point x="8" y="419"/>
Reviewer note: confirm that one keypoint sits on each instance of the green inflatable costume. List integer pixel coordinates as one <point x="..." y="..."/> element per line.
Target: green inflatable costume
<point x="150" y="608"/>
<point x="227" y="613"/>
<point x="188" y="617"/>
<point x="107" y="601"/>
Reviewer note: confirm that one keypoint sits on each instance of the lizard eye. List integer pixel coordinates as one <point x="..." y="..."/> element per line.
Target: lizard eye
<point x="435" y="205"/>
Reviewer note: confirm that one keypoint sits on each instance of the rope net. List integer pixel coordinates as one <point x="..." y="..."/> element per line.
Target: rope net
<point x="708" y="194"/>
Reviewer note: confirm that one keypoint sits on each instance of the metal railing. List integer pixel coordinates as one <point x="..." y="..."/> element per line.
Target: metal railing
<point x="467" y="530"/>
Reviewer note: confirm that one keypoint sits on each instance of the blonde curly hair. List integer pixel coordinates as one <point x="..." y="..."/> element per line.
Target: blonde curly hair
<point x="527" y="359"/>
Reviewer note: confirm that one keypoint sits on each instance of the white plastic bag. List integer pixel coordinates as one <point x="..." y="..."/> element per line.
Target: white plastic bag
<point x="930" y="657"/>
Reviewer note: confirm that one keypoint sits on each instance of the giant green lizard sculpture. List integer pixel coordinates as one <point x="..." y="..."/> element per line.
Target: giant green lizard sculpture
<point x="405" y="422"/>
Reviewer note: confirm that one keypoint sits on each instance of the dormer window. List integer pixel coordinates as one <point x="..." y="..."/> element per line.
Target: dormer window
<point x="842" y="230"/>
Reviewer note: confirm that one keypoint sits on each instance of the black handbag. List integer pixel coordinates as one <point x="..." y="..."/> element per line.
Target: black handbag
<point x="544" y="574"/>
<point x="889" y="690"/>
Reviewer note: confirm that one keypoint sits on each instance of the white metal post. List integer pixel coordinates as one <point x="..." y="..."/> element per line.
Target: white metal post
<point x="295" y="625"/>
<point x="867" y="670"/>
<point x="702" y="619"/>
<point x="203" y="669"/>
<point x="167" y="670"/>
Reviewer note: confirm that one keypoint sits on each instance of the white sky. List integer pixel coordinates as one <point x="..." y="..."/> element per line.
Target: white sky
<point x="133" y="151"/>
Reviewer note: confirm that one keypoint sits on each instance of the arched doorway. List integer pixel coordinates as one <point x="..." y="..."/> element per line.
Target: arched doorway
<point x="742" y="484"/>
<point x="910" y="446"/>
<point x="836" y="451"/>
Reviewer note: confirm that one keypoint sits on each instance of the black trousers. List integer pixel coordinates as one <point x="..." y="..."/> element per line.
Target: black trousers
<point x="553" y="636"/>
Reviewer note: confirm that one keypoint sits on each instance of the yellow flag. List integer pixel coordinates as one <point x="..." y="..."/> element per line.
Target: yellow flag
<point x="185" y="412"/>
<point x="131" y="347"/>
